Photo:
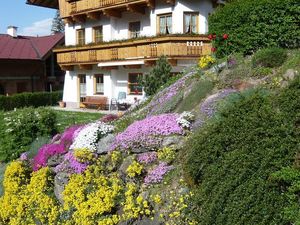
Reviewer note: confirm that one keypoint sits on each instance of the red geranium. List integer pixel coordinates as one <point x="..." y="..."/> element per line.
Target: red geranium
<point x="213" y="49"/>
<point x="225" y="36"/>
<point x="210" y="37"/>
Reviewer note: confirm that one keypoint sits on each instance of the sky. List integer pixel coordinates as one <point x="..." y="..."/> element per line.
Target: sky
<point x="30" y="20"/>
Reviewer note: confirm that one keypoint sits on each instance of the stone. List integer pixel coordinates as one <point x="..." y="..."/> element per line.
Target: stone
<point x="60" y="180"/>
<point x="105" y="143"/>
<point x="55" y="160"/>
<point x="127" y="162"/>
<point x="290" y="74"/>
<point x="176" y="142"/>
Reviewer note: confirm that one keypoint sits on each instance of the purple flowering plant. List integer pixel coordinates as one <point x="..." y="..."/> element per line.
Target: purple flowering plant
<point x="147" y="157"/>
<point x="70" y="133"/>
<point x="71" y="164"/>
<point x="147" y="133"/>
<point x="166" y="95"/>
<point x="209" y="106"/>
<point x="157" y="174"/>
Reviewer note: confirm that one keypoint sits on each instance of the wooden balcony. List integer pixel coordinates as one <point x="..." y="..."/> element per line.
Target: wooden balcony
<point x="147" y="50"/>
<point x="79" y="11"/>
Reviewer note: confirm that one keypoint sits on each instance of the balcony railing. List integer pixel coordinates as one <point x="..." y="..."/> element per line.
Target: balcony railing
<point x="142" y="49"/>
<point x="77" y="7"/>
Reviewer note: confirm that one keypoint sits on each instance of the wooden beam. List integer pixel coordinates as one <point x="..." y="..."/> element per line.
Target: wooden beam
<point x="112" y="13"/>
<point x="93" y="15"/>
<point x="110" y="67"/>
<point x="132" y="66"/>
<point x="69" y="68"/>
<point x="135" y="8"/>
<point x="151" y="4"/>
<point x="85" y="66"/>
<point x="68" y="20"/>
<point x="79" y="18"/>
<point x="172" y="2"/>
<point x="150" y="63"/>
<point x="173" y="62"/>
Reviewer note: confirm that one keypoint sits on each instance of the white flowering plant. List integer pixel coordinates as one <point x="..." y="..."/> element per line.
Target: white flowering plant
<point x="89" y="135"/>
<point x="185" y="120"/>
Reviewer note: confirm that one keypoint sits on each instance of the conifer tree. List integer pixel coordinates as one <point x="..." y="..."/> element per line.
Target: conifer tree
<point x="57" y="24"/>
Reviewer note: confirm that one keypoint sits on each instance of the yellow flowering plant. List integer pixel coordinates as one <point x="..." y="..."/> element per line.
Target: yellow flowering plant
<point x="206" y="61"/>
<point x="134" y="169"/>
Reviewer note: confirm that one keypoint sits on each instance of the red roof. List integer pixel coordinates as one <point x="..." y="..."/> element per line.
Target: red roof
<point x="26" y="47"/>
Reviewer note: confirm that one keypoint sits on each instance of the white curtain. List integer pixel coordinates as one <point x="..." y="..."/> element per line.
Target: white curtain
<point x="187" y="20"/>
<point x="169" y="24"/>
<point x="162" y="25"/>
<point x="194" y="24"/>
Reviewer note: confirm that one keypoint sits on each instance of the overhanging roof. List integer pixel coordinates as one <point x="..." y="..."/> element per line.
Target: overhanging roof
<point x="44" y="3"/>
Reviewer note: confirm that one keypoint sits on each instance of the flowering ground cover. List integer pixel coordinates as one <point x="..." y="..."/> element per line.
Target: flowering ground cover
<point x="147" y="133"/>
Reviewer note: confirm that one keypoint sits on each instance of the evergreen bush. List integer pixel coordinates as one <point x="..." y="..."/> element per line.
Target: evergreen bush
<point x="269" y="57"/>
<point x="158" y="76"/>
<point x="35" y="99"/>
<point x="233" y="157"/>
<point x="255" y="24"/>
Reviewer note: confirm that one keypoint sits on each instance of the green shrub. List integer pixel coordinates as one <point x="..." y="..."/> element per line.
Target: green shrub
<point x="158" y="76"/>
<point x="35" y="99"/>
<point x="197" y="93"/>
<point x="261" y="72"/>
<point x="232" y="158"/>
<point x="255" y="24"/>
<point x="21" y="127"/>
<point x="269" y="57"/>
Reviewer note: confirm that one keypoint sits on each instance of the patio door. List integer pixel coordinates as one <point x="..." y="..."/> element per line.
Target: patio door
<point x="82" y="87"/>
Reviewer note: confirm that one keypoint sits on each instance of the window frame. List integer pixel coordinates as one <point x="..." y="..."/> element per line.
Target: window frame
<point x="94" y="34"/>
<point x="80" y="39"/>
<point x="95" y="83"/>
<point x="135" y="83"/>
<point x="158" y="23"/>
<point x="197" y="22"/>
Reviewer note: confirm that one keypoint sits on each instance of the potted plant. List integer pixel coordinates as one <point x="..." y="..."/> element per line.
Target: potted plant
<point x="62" y="104"/>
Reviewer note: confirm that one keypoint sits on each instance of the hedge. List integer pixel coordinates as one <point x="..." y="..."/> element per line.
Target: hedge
<point x="233" y="157"/>
<point x="35" y="99"/>
<point x="255" y="24"/>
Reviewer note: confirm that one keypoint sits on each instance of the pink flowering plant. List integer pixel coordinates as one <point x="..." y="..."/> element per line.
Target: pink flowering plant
<point x="148" y="133"/>
<point x="71" y="164"/>
<point x="147" y="157"/>
<point x="169" y="95"/>
<point x="45" y="152"/>
<point x="157" y="174"/>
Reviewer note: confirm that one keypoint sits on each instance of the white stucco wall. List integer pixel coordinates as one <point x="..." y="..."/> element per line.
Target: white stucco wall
<point x="117" y="28"/>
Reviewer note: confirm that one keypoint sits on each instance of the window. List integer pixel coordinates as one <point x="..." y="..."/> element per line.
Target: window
<point x="165" y="24"/>
<point x="134" y="29"/>
<point x="82" y="87"/>
<point x="190" y="22"/>
<point x="133" y="84"/>
<point x="98" y="34"/>
<point x="80" y="37"/>
<point x="99" y="84"/>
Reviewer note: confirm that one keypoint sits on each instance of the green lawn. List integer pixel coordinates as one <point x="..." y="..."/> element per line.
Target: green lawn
<point x="66" y="118"/>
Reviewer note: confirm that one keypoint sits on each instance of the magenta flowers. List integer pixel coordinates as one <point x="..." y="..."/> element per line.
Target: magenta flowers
<point x="45" y="152"/>
<point x="70" y="133"/>
<point x="147" y="133"/>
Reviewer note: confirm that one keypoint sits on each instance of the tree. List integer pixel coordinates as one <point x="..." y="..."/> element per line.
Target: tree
<point x="57" y="24"/>
<point x="157" y="77"/>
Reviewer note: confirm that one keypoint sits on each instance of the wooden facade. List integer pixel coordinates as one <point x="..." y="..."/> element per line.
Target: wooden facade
<point x="148" y="49"/>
